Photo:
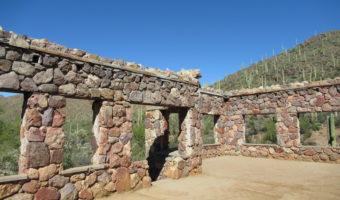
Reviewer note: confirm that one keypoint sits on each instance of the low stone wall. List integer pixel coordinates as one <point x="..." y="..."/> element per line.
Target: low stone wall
<point x="302" y="153"/>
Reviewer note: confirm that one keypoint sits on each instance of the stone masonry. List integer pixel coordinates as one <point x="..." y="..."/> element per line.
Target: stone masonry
<point x="47" y="73"/>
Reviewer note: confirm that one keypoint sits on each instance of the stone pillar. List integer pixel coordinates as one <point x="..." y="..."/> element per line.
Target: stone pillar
<point x="42" y="136"/>
<point x="156" y="128"/>
<point x="288" y="129"/>
<point x="112" y="131"/>
<point x="230" y="130"/>
<point x="190" y="144"/>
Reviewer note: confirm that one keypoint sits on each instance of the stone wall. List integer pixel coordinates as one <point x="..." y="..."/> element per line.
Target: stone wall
<point x="31" y="65"/>
<point x="284" y="101"/>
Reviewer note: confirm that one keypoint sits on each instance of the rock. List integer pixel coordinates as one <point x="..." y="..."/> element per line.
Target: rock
<point x="123" y="179"/>
<point x="56" y="156"/>
<point x="106" y="93"/>
<point x="8" y="189"/>
<point x="31" y="187"/>
<point x="33" y="173"/>
<point x="47" y="117"/>
<point x="136" y="96"/>
<point x="68" y="89"/>
<point x="49" y="88"/>
<point x="55" y="138"/>
<point x="68" y="192"/>
<point x="146" y="181"/>
<point x="43" y="76"/>
<point x="2" y="52"/>
<point x="125" y="138"/>
<point x="57" y="102"/>
<point x="35" y="135"/>
<point x="116" y="148"/>
<point x="85" y="194"/>
<point x="47" y="194"/>
<point x="19" y="41"/>
<point x="114" y="160"/>
<point x="334" y="157"/>
<point x="33" y="118"/>
<point x="110" y="187"/>
<point x="58" y="118"/>
<point x="13" y="55"/>
<point x="90" y="180"/>
<point x="93" y="81"/>
<point x="37" y="153"/>
<point x="77" y="177"/>
<point x="10" y="81"/>
<point x="134" y="179"/>
<point x="98" y="190"/>
<point x="50" y="60"/>
<point x="58" y="77"/>
<point x="21" y="196"/>
<point x="23" y="68"/>
<point x="45" y="173"/>
<point x="104" y="178"/>
<point x="29" y="85"/>
<point x="58" y="181"/>
<point x="5" y="65"/>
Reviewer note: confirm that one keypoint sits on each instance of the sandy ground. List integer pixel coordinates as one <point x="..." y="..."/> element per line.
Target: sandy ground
<point x="247" y="178"/>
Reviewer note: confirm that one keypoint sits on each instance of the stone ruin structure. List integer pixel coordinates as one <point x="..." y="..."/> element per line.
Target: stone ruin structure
<point x="46" y="73"/>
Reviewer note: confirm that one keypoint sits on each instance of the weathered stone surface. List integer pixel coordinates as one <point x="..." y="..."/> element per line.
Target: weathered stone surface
<point x="55" y="138"/>
<point x="5" y="65"/>
<point x="123" y="179"/>
<point x="58" y="181"/>
<point x="8" y="189"/>
<point x="43" y="76"/>
<point x="116" y="148"/>
<point x="2" y="52"/>
<point x="104" y="178"/>
<point x="77" y="177"/>
<point x="68" y="89"/>
<point x="56" y="156"/>
<point x="86" y="194"/>
<point x="57" y="102"/>
<point x="31" y="187"/>
<point x="49" y="88"/>
<point x="47" y="194"/>
<point x="35" y="135"/>
<point x="47" y="172"/>
<point x="29" y="85"/>
<point x="58" y="118"/>
<point x="90" y="180"/>
<point x="98" y="190"/>
<point x="146" y="181"/>
<point x="125" y="138"/>
<point x="136" y="96"/>
<point x="23" y="68"/>
<point x="37" y="153"/>
<point x="68" y="192"/>
<point x="10" y="81"/>
<point x="13" y="55"/>
<point x="47" y="117"/>
<point x="21" y="196"/>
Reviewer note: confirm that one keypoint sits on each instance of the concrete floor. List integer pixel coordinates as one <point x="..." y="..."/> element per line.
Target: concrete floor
<point x="247" y="178"/>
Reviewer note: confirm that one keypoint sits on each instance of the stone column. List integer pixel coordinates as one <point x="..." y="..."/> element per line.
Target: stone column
<point x="112" y="131"/>
<point x="42" y="136"/>
<point x="288" y="129"/>
<point x="190" y="144"/>
<point x="156" y="128"/>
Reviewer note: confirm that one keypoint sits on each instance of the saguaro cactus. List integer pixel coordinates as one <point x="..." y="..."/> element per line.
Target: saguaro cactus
<point x="331" y="130"/>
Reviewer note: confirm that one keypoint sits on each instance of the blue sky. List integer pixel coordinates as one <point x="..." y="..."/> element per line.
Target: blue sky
<point x="214" y="36"/>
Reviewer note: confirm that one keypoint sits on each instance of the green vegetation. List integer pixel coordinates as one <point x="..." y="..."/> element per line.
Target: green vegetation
<point x="260" y="129"/>
<point x="138" y="138"/>
<point x="174" y="130"/>
<point x="314" y="128"/>
<point x="317" y="58"/>
<point x="208" y="129"/>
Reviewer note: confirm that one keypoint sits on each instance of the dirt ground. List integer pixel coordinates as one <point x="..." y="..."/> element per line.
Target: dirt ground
<point x="247" y="178"/>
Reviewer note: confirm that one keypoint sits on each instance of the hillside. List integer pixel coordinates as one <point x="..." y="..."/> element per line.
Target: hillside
<point x="315" y="59"/>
